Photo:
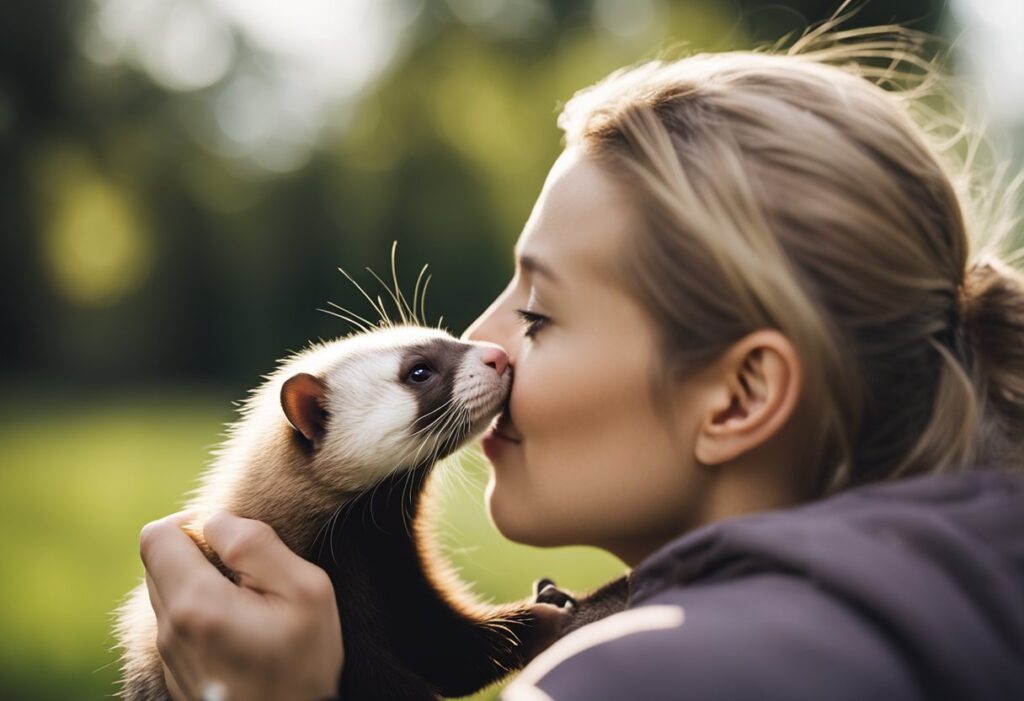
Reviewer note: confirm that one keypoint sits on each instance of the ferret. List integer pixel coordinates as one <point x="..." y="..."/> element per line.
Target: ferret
<point x="334" y="451"/>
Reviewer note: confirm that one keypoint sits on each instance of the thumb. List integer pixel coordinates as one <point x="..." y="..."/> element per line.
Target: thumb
<point x="254" y="552"/>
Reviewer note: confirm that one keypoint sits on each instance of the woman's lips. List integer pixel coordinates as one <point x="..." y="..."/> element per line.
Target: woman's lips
<point x="494" y="444"/>
<point x="501" y="435"/>
<point x="503" y="428"/>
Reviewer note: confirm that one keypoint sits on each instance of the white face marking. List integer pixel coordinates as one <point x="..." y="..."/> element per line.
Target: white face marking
<point x="370" y="415"/>
<point x="478" y="386"/>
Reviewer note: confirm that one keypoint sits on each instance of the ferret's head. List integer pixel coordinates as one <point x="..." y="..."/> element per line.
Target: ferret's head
<point x="389" y="400"/>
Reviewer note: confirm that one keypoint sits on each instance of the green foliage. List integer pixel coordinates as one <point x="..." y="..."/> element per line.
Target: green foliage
<point x="135" y="246"/>
<point x="78" y="479"/>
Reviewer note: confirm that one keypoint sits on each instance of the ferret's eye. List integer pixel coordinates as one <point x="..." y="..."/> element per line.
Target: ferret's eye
<point x="420" y="373"/>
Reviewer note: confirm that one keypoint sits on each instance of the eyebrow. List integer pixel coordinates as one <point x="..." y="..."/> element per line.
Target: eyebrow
<point x="535" y="267"/>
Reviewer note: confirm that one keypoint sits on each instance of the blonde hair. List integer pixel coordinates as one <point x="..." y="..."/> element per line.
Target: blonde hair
<point x="794" y="190"/>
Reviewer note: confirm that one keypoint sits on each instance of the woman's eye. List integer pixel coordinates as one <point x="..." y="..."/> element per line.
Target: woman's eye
<point x="534" y="322"/>
<point x="420" y="373"/>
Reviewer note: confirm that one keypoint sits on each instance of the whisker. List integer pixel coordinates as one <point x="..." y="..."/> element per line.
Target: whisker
<point x="394" y="297"/>
<point x="418" y="320"/>
<point x="351" y="313"/>
<point x="353" y="322"/>
<point x="409" y="316"/>
<point x="423" y="299"/>
<point x="380" y="302"/>
<point x="378" y="309"/>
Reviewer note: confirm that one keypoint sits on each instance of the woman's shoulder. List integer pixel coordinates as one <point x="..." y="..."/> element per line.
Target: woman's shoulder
<point x="766" y="636"/>
<point x="913" y="589"/>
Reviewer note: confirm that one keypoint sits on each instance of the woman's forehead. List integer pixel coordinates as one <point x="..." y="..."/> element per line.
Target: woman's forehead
<point x="580" y="220"/>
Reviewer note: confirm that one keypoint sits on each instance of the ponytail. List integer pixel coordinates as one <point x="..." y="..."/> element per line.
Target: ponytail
<point x="977" y="416"/>
<point x="993" y="321"/>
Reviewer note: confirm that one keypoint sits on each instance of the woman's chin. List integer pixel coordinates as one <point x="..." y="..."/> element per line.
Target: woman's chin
<point x="514" y="519"/>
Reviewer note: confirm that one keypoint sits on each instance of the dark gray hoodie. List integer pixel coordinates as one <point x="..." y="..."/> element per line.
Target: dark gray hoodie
<point x="905" y="590"/>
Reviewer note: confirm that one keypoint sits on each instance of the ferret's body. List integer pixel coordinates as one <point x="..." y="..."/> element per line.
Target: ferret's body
<point x="333" y="451"/>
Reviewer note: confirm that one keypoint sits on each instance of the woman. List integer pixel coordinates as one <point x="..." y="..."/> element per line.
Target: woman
<point x="754" y="360"/>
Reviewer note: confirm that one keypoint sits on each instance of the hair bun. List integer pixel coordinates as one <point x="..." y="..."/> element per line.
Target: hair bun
<point x="993" y="318"/>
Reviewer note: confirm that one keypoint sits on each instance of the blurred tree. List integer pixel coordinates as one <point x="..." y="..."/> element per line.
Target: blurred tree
<point x="137" y="246"/>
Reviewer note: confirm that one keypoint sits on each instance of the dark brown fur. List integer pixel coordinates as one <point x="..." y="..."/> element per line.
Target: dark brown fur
<point x="409" y="632"/>
<point x="411" y="629"/>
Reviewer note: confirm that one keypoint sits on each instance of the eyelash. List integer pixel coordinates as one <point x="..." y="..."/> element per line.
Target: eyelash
<point x="533" y="321"/>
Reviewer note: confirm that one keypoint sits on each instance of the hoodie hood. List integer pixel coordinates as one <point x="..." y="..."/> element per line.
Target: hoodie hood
<point x="935" y="564"/>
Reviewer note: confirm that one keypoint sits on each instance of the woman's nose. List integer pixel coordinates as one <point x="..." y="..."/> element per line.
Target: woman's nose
<point x="483" y="328"/>
<point x="495" y="358"/>
<point x="497" y="326"/>
<point x="488" y="326"/>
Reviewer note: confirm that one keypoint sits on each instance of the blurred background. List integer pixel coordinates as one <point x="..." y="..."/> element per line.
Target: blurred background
<point x="179" y="181"/>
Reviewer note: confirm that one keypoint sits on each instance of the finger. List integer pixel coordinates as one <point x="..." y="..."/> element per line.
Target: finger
<point x="154" y="598"/>
<point x="173" y="560"/>
<point x="257" y="556"/>
<point x="173" y="687"/>
<point x="175" y="664"/>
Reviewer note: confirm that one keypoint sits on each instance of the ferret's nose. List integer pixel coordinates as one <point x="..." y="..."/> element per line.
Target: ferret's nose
<point x="495" y="358"/>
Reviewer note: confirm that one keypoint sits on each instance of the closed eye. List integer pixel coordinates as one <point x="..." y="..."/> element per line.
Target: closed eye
<point x="533" y="321"/>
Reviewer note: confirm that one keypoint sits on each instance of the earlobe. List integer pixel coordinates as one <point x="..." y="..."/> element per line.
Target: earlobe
<point x="755" y="394"/>
<point x="302" y="398"/>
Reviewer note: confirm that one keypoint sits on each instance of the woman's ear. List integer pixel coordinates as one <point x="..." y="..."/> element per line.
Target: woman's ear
<point x="754" y="390"/>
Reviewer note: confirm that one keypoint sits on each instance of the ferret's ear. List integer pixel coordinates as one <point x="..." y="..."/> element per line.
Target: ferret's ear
<point x="302" y="398"/>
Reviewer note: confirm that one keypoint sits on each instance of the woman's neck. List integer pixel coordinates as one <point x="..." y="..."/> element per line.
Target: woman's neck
<point x="734" y="491"/>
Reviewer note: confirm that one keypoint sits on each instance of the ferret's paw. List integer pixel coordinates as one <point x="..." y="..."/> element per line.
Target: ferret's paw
<point x="545" y="592"/>
<point x="553" y="610"/>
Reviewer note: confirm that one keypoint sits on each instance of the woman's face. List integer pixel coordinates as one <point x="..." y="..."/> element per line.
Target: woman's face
<point x="590" y="460"/>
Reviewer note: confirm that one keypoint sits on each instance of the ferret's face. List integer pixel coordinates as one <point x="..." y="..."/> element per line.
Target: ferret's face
<point x="391" y="400"/>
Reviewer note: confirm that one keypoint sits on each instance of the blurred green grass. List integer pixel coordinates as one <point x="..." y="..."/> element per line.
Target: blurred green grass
<point x="79" y="478"/>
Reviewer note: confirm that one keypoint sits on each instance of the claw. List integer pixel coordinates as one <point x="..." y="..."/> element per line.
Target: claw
<point x="545" y="592"/>
<point x="541" y="584"/>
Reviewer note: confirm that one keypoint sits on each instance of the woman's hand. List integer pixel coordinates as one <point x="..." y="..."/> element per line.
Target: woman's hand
<point x="274" y="634"/>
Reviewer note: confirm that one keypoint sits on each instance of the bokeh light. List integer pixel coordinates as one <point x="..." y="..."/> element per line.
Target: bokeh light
<point x="276" y="73"/>
<point x="96" y="247"/>
<point x="991" y="31"/>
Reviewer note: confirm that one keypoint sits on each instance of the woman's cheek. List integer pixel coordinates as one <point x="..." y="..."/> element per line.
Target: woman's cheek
<point x="516" y="493"/>
<point x="527" y="397"/>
